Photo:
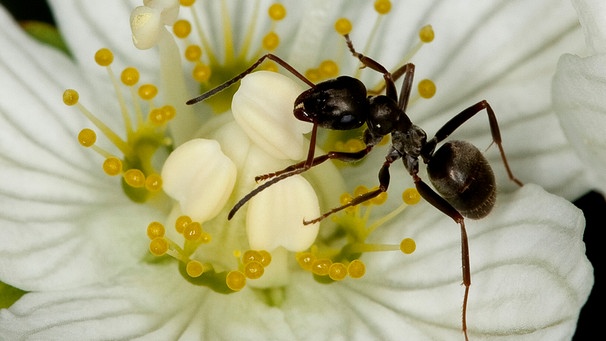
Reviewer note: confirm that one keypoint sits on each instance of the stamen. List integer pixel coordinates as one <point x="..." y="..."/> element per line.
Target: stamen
<point x="182" y="29"/>
<point x="382" y="6"/>
<point x="112" y="166"/>
<point x="158" y="246"/>
<point x="411" y="196"/>
<point x="271" y="41"/>
<point x="155" y="230"/>
<point x="408" y="246"/>
<point x="277" y="12"/>
<point x="427" y="88"/>
<point x="129" y="76"/>
<point x="195" y="268"/>
<point x="181" y="223"/>
<point x="87" y="137"/>
<point x="305" y="260"/>
<point x="356" y="269"/>
<point x="426" y="34"/>
<point x="321" y="267"/>
<point x="343" y="26"/>
<point x="134" y="178"/>
<point x="253" y="270"/>
<point x="235" y="280"/>
<point x="337" y="271"/>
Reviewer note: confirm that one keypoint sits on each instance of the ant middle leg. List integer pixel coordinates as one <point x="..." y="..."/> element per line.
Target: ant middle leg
<point x="384" y="178"/>
<point x="461" y="118"/>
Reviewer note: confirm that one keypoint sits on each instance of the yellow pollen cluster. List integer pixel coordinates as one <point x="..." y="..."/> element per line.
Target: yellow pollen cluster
<point x="327" y="69"/>
<point x="325" y="267"/>
<point x="251" y="263"/>
<point x="382" y="6"/>
<point x="144" y="134"/>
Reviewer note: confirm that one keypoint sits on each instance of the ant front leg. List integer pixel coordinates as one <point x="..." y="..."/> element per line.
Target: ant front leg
<point x="441" y="204"/>
<point x="244" y="73"/>
<point x="461" y="118"/>
<point x="298" y="169"/>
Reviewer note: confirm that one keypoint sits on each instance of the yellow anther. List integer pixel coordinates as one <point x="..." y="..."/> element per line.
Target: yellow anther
<point x="271" y="41"/>
<point x="379" y="199"/>
<point x="134" y="178"/>
<point x="169" y="112"/>
<point x="329" y="69"/>
<point x="104" y="57"/>
<point x="201" y="73"/>
<point x="253" y="270"/>
<point x="112" y="166"/>
<point x="235" y="280"/>
<point x="157" y="116"/>
<point x="194" y="268"/>
<point x="187" y="3"/>
<point x="193" y="231"/>
<point x="337" y="271"/>
<point x="87" y="137"/>
<point x="408" y="246"/>
<point x="70" y="97"/>
<point x="158" y="246"/>
<point x="426" y="34"/>
<point x="411" y="196"/>
<point x="182" y="222"/>
<point x="343" y="26"/>
<point x="251" y="255"/>
<point x="345" y="198"/>
<point x="129" y="76"/>
<point x="427" y="88"/>
<point x="382" y="6"/>
<point x="277" y="12"/>
<point x="354" y="145"/>
<point x="193" y="53"/>
<point x="182" y="28"/>
<point x="385" y="140"/>
<point x="360" y="190"/>
<point x="270" y="66"/>
<point x="305" y="259"/>
<point x="205" y="238"/>
<point x="320" y="267"/>
<point x="153" y="182"/>
<point x="313" y="75"/>
<point x="356" y="269"/>
<point x="265" y="258"/>
<point x="148" y="91"/>
<point x="155" y="230"/>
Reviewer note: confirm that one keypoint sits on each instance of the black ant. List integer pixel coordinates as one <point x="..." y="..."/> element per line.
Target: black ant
<point x="458" y="171"/>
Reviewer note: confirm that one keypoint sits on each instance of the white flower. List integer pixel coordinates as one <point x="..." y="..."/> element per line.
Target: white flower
<point x="578" y="93"/>
<point x="74" y="239"/>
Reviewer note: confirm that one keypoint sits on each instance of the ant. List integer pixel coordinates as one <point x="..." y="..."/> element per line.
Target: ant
<point x="457" y="170"/>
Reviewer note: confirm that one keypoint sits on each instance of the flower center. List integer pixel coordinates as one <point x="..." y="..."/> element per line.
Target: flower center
<point x="206" y="180"/>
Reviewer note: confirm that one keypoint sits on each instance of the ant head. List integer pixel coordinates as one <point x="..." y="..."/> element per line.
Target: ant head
<point x="338" y="104"/>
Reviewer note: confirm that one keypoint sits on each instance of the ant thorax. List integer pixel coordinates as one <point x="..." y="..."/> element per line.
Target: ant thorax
<point x="409" y="141"/>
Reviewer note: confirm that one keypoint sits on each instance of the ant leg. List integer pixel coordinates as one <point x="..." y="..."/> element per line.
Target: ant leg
<point x="297" y="169"/>
<point x="250" y="69"/>
<point x="461" y="118"/>
<point x="373" y="64"/>
<point x="384" y="178"/>
<point x="440" y="203"/>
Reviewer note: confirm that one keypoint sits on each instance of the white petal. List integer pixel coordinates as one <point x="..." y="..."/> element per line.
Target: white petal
<point x="200" y="177"/>
<point x="263" y="107"/>
<point x="578" y="94"/>
<point x="275" y="216"/>
<point x="591" y="16"/>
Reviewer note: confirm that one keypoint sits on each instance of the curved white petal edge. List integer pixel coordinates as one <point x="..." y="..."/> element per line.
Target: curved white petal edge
<point x="578" y="92"/>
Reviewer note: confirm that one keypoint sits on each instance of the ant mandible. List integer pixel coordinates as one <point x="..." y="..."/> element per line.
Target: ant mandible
<point x="457" y="170"/>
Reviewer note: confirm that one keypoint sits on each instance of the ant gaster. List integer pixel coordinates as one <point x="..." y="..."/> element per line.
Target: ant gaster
<point x="458" y="171"/>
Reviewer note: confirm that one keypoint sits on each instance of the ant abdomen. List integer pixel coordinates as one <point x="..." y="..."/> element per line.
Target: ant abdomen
<point x="463" y="176"/>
